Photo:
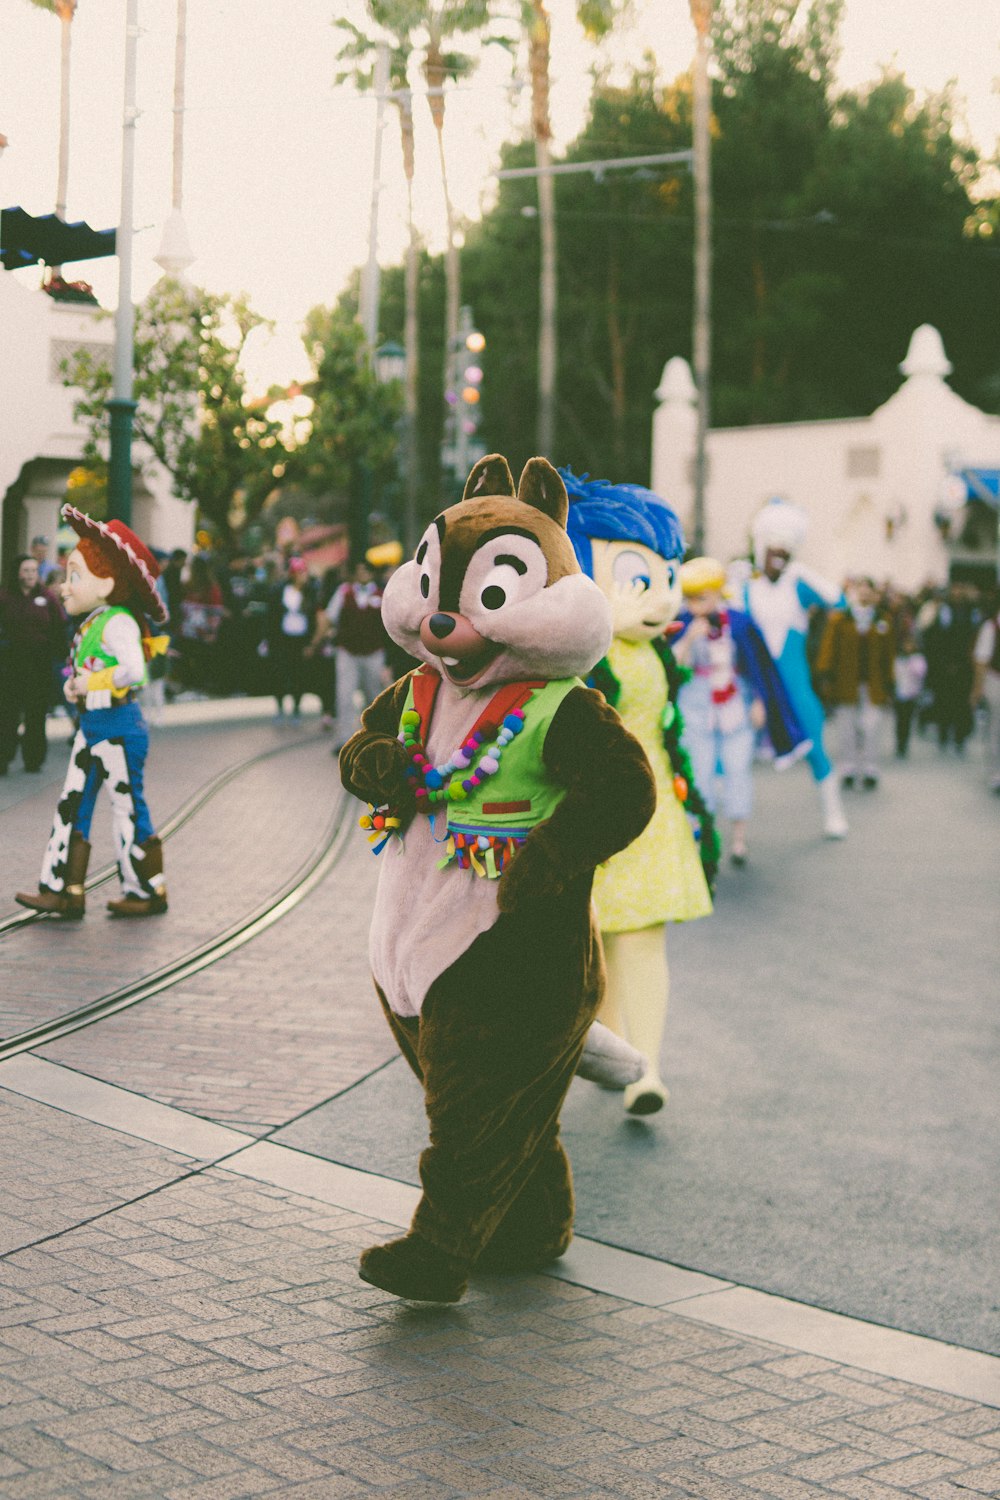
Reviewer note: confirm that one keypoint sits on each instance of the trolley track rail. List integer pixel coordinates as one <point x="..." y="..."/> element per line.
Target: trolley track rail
<point x="173" y="824"/>
<point x="310" y="874"/>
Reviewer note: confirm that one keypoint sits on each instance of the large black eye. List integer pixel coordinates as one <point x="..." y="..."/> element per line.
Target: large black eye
<point x="493" y="597"/>
<point x="425" y="584"/>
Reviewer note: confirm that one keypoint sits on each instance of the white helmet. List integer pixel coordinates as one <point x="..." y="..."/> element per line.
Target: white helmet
<point x="778" y="524"/>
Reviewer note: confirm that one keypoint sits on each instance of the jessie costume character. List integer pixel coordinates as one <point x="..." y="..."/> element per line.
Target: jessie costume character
<point x="630" y="542"/>
<point x="111" y="586"/>
<point x="497" y="783"/>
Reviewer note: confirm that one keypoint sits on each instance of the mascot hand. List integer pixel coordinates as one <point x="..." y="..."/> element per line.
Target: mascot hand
<point x="532" y="875"/>
<point x="375" y="767"/>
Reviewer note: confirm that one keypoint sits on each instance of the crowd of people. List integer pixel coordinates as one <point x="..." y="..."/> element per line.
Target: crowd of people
<point x="268" y="626"/>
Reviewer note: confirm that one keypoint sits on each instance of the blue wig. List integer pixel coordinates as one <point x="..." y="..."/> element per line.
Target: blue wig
<point x="618" y="513"/>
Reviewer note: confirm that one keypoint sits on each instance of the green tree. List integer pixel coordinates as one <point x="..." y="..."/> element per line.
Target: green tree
<point x="841" y="223"/>
<point x="396" y="19"/>
<point x="223" y="453"/>
<point x="351" y="453"/>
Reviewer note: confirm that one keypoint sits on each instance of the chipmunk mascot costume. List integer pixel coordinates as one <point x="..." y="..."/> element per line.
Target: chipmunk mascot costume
<point x="497" y="784"/>
<point x="111" y="583"/>
<point x="630" y="542"/>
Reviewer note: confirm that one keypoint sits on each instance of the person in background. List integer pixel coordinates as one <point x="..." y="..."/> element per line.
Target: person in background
<point x="293" y="606"/>
<point x="986" y="687"/>
<point x="854" y="669"/>
<point x="323" y="651"/>
<point x="40" y="552"/>
<point x="33" y="636"/>
<point x="733" y="692"/>
<point x="201" y="615"/>
<point x="949" y="631"/>
<point x="909" y="671"/>
<point x="354" y="617"/>
<point x="778" y="599"/>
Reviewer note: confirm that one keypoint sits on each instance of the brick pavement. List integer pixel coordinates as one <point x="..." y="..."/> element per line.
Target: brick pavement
<point x="211" y="1340"/>
<point x="268" y="1032"/>
<point x="180" y="758"/>
<point x="237" y="850"/>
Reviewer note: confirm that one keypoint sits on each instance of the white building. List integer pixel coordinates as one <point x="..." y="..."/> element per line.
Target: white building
<point x="40" y="444"/>
<point x="907" y="495"/>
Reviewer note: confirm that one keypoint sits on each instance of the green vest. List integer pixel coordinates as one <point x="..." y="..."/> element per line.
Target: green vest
<point x="90" y="646"/>
<point x="485" y="829"/>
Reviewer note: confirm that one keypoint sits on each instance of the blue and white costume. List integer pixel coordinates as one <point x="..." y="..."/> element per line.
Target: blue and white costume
<point x="780" y="611"/>
<point x="779" y="607"/>
<point x="730" y="669"/>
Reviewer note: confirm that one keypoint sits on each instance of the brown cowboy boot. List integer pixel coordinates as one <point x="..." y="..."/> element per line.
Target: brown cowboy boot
<point x="155" y="903"/>
<point x="71" y="900"/>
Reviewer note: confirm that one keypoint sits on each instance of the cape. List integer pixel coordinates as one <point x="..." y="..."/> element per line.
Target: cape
<point x="755" y="662"/>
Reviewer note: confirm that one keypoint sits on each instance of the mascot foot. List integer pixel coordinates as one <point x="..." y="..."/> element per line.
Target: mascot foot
<point x="506" y="1260"/>
<point x="647" y="1096"/>
<point x="834" y="822"/>
<point x="55" y="903"/>
<point x="139" y="906"/>
<point x="413" y="1268"/>
<point x="608" y="1060"/>
<point x="72" y="899"/>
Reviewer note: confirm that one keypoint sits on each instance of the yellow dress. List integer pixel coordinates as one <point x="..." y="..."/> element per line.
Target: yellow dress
<point x="659" y="877"/>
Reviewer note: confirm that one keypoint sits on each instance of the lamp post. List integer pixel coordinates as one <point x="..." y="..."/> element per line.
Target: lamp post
<point x="391" y="365"/>
<point x="370" y="279"/>
<point x="701" y="15"/>
<point x="122" y="406"/>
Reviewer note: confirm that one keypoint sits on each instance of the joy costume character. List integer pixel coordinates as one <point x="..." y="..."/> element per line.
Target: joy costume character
<point x="110" y="583"/>
<point x="630" y="542"/>
<point x="778" y="599"/>
<point x="509" y="781"/>
<point x="733" y="692"/>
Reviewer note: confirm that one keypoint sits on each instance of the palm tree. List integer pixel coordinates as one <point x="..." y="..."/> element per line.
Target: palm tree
<point x="397" y="19"/>
<point x="443" y="19"/>
<point x="65" y="10"/>
<point x="596" y="18"/>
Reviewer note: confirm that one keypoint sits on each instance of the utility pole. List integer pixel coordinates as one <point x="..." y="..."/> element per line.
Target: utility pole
<point x="175" y="253"/>
<point x="701" y="15"/>
<point x="368" y="310"/>
<point x="122" y="406"/>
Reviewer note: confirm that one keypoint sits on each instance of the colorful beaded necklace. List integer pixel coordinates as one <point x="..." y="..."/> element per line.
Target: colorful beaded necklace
<point x="434" y="784"/>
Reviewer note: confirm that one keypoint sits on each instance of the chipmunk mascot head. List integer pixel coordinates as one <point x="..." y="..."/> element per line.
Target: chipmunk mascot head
<point x="497" y="783"/>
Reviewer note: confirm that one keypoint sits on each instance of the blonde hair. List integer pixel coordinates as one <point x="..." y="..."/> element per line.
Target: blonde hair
<point x="701" y="574"/>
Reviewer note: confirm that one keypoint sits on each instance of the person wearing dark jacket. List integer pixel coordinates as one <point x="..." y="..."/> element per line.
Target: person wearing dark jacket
<point x="854" y="673"/>
<point x="32" y="638"/>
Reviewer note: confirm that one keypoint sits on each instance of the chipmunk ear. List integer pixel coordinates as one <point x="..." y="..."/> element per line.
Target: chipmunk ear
<point x="490" y="476"/>
<point x="541" y="486"/>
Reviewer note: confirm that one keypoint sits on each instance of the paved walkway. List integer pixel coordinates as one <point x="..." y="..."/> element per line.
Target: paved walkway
<point x="180" y="1314"/>
<point x="184" y="1319"/>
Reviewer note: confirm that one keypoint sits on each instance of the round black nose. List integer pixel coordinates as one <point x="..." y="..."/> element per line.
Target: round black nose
<point x="441" y="625"/>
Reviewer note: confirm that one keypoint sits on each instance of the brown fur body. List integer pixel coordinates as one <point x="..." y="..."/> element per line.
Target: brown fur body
<point x="503" y="1022"/>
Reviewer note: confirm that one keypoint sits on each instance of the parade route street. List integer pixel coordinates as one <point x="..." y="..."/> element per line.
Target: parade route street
<point x="832" y="1058"/>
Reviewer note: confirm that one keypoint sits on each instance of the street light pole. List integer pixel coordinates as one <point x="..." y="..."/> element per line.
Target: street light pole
<point x="701" y="14"/>
<point x="370" y="276"/>
<point x="122" y="406"/>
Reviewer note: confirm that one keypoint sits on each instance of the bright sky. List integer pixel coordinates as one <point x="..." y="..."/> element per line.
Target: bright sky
<point x="278" y="162"/>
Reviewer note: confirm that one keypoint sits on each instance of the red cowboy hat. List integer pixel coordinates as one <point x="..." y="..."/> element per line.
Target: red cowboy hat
<point x="132" y="559"/>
